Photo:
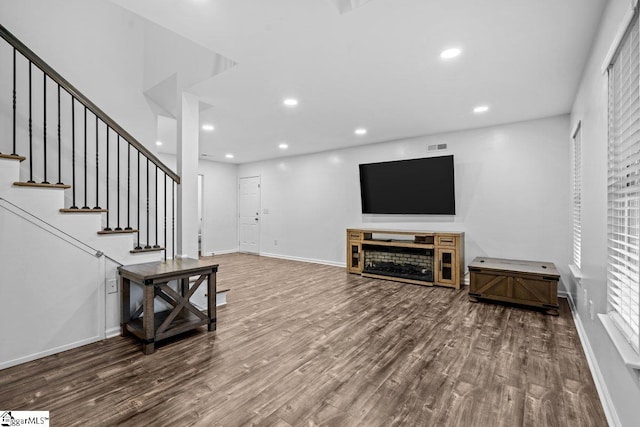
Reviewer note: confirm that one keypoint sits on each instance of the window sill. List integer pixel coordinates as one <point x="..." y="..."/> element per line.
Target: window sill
<point x="575" y="272"/>
<point x="628" y="354"/>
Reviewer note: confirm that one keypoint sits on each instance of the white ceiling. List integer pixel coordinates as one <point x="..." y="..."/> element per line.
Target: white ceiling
<point x="373" y="64"/>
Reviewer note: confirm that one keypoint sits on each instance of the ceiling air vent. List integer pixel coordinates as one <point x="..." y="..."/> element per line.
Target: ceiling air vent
<point x="436" y="147"/>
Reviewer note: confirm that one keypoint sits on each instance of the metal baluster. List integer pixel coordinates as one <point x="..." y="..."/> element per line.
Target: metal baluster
<point x="128" y="227"/>
<point x="138" y="245"/>
<point x="30" y="132"/>
<point x="156" y="246"/>
<point x="44" y="125"/>
<point x="85" y="159"/>
<point x="107" y="228"/>
<point x="97" y="206"/>
<point x="118" y="189"/>
<point x="165" y="216"/>
<point x="173" y="220"/>
<point x="14" y="102"/>
<point x="147" y="246"/>
<point x="59" y="142"/>
<point x="73" y="152"/>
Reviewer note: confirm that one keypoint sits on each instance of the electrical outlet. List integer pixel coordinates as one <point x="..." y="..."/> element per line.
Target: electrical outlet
<point x="275" y="243"/>
<point x="112" y="286"/>
<point x="592" y="311"/>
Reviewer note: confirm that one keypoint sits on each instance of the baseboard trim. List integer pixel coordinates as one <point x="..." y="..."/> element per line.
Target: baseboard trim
<point x="596" y="373"/>
<point x="49" y="352"/>
<point x="112" y="332"/>
<point x="224" y="252"/>
<point x="311" y="260"/>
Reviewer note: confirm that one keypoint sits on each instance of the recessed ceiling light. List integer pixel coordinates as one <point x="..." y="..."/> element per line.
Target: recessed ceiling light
<point x="158" y="143"/>
<point x="229" y="156"/>
<point x="290" y="102"/>
<point x="450" y="53"/>
<point x="361" y="131"/>
<point x="283" y="146"/>
<point x="208" y="127"/>
<point x="481" y="109"/>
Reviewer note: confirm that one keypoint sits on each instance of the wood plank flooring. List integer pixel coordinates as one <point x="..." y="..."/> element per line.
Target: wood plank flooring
<point x="302" y="344"/>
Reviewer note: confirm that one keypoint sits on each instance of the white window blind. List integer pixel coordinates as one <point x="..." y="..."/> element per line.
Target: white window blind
<point x="577" y="196"/>
<point x="624" y="187"/>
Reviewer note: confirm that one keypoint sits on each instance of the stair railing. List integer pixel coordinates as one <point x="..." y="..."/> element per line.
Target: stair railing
<point x="53" y="230"/>
<point x="68" y="102"/>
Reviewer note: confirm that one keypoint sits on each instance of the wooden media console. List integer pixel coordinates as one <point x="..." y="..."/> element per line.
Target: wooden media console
<point x="417" y="257"/>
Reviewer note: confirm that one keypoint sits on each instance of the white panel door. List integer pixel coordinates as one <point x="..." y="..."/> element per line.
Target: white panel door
<point x="249" y="223"/>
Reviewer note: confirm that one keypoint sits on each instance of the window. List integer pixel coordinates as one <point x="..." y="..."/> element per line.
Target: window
<point x="577" y="195"/>
<point x="623" y="186"/>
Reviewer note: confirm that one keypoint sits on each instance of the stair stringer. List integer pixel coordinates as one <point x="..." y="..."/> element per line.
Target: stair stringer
<point x="45" y="204"/>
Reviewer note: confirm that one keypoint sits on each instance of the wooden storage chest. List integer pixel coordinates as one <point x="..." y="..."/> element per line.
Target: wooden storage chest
<point x="528" y="283"/>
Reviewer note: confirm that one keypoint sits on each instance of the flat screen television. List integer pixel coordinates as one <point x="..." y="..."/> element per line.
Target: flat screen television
<point x="416" y="186"/>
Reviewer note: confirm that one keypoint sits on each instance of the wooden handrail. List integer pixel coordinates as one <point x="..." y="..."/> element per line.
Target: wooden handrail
<point x="38" y="62"/>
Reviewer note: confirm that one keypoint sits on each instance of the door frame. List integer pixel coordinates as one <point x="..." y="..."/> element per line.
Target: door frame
<point x="203" y="211"/>
<point x="259" y="210"/>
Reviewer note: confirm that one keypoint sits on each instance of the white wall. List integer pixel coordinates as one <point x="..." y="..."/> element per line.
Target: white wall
<point x="58" y="305"/>
<point x="220" y="209"/>
<point x="220" y="204"/>
<point x="590" y="107"/>
<point x="512" y="194"/>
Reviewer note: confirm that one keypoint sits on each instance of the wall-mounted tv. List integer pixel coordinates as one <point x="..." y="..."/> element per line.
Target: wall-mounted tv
<point x="416" y="186"/>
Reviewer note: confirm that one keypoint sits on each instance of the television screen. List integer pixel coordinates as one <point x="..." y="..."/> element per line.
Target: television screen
<point x="416" y="186"/>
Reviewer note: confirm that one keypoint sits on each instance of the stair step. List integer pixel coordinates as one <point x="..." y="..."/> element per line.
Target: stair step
<point x="78" y="210"/>
<point x="12" y="156"/>
<point x="40" y="185"/>
<point x="137" y="251"/>
<point x="221" y="297"/>
<point x="133" y="230"/>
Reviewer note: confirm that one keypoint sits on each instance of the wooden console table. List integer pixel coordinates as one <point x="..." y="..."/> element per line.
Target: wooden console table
<point x="530" y="283"/>
<point x="442" y="255"/>
<point x="149" y="326"/>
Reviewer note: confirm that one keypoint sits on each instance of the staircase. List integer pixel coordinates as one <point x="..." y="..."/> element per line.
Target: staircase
<point x="46" y="202"/>
<point x="78" y="196"/>
<point x="71" y="153"/>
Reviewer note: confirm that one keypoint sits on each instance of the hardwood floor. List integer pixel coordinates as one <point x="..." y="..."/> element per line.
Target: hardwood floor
<point x="306" y="344"/>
